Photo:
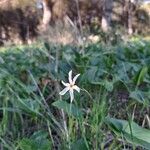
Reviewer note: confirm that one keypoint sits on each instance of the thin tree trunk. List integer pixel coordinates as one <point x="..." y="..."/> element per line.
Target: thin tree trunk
<point x="106" y="15"/>
<point x="125" y="13"/>
<point x="130" y="16"/>
<point x="46" y="14"/>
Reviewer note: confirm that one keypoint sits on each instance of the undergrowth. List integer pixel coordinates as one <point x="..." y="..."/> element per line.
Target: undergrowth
<point x="110" y="112"/>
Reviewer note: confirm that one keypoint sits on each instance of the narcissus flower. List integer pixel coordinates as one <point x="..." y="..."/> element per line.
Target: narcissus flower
<point x="70" y="86"/>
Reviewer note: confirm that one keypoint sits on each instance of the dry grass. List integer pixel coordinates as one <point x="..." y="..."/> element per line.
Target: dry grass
<point x="14" y="4"/>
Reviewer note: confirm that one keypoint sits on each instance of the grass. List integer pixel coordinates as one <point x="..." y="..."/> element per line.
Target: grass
<point x="115" y="94"/>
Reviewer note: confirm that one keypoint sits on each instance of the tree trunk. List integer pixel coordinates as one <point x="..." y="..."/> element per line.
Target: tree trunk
<point x="106" y="15"/>
<point x="130" y="16"/>
<point x="46" y="14"/>
<point x="125" y="13"/>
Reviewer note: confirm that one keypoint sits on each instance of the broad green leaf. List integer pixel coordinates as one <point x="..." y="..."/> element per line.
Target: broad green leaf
<point x="142" y="97"/>
<point x="31" y="144"/>
<point x="30" y="106"/>
<point x="2" y="60"/>
<point x="38" y="141"/>
<point x="132" y="132"/>
<point x="140" y="76"/>
<point x="70" y="109"/>
<point x="79" y="145"/>
<point x="39" y="135"/>
<point x="107" y="84"/>
<point x="27" y="144"/>
<point x="91" y="73"/>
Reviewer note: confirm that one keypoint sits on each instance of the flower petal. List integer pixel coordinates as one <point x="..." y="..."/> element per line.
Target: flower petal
<point x="71" y="95"/>
<point x="64" y="91"/>
<point x="75" y="78"/>
<point x="65" y="84"/>
<point x="76" y="88"/>
<point x="70" y="76"/>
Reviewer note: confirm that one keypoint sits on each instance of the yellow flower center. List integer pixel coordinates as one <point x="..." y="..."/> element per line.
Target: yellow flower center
<point x="71" y="85"/>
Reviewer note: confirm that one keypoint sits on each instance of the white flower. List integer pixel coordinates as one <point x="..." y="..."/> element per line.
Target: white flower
<point x="70" y="86"/>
